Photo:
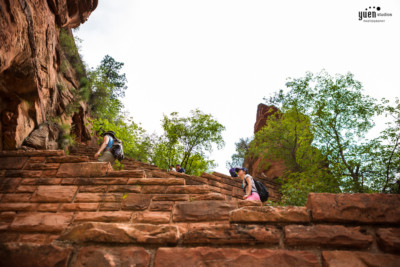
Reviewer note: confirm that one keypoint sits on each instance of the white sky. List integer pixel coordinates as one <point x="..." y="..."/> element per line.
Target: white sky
<point x="224" y="56"/>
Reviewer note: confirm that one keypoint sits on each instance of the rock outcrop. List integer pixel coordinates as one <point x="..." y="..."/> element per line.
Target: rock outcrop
<point x="58" y="210"/>
<point x="260" y="167"/>
<point x="33" y="89"/>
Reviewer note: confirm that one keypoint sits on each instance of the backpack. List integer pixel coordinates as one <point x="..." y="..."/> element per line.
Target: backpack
<point x="117" y="149"/>
<point x="262" y="190"/>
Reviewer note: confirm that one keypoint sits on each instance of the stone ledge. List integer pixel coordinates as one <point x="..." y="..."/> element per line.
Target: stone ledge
<point x="121" y="233"/>
<point x="208" y="256"/>
<point x="127" y="173"/>
<point x="156" y="181"/>
<point x="270" y="214"/>
<point x="212" y="210"/>
<point x="103" y="216"/>
<point x="19" y="254"/>
<point x="355" y="208"/>
<point x="41" y="222"/>
<point x="389" y="239"/>
<point x="103" y="256"/>
<point x="187" y="189"/>
<point x="84" y="169"/>
<point x="327" y="236"/>
<point x="67" y="159"/>
<point x="357" y="258"/>
<point x="13" y="163"/>
<point x="232" y="234"/>
<point x="54" y="193"/>
<point x="31" y="153"/>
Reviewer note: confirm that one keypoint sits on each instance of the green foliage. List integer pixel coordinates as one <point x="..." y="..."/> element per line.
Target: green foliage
<point x="130" y="133"/>
<point x="340" y="116"/>
<point x="107" y="86"/>
<point x="118" y="165"/>
<point x="67" y="139"/>
<point x="242" y="148"/>
<point x="288" y="136"/>
<point x="71" y="53"/>
<point x="383" y="153"/>
<point x="186" y="140"/>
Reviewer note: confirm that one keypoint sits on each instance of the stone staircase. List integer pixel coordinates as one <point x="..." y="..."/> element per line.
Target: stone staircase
<point x="229" y="186"/>
<point x="58" y="210"/>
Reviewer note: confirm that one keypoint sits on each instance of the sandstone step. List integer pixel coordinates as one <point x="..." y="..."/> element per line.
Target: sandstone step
<point x="121" y="233"/>
<point x="84" y="169"/>
<point x="270" y="214"/>
<point x="67" y="159"/>
<point x="212" y="210"/>
<point x="31" y="153"/>
<point x="331" y="236"/>
<point x="127" y="173"/>
<point x="355" y="208"/>
<point x="203" y="256"/>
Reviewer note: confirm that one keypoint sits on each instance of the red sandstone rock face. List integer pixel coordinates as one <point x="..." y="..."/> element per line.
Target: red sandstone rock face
<point x="263" y="112"/>
<point x="30" y="58"/>
<point x="95" y="256"/>
<point x="360" y="208"/>
<point x="357" y="258"/>
<point x="255" y="165"/>
<point x="17" y="254"/>
<point x="206" y="256"/>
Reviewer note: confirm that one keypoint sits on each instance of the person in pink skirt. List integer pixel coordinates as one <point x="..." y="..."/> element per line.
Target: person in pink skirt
<point x="250" y="191"/>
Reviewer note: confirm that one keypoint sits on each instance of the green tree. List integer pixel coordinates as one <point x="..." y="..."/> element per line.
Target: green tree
<point x="189" y="138"/>
<point x="242" y="148"/>
<point x="340" y="115"/>
<point x="383" y="164"/>
<point x="135" y="142"/>
<point x="107" y="85"/>
<point x="165" y="152"/>
<point x="289" y="137"/>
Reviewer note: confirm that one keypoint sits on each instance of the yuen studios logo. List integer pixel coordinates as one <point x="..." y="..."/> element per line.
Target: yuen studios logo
<point x="373" y="14"/>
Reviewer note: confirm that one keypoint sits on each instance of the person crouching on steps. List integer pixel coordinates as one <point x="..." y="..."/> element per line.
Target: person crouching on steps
<point x="250" y="191"/>
<point x="108" y="140"/>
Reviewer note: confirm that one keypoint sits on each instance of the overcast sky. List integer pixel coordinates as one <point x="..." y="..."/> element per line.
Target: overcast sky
<point x="225" y="56"/>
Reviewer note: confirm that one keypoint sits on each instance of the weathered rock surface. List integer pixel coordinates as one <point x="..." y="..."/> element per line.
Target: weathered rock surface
<point x="357" y="258"/>
<point x="389" y="239"/>
<point x="30" y="60"/>
<point x="207" y="256"/>
<point x="360" y="208"/>
<point x="122" y="233"/>
<point x="117" y="220"/>
<point x="254" y="165"/>
<point x="270" y="214"/>
<point x="327" y="235"/>
<point x="202" y="211"/>
<point x="100" y="256"/>
<point x="233" y="234"/>
<point x="18" y="254"/>
<point x="46" y="222"/>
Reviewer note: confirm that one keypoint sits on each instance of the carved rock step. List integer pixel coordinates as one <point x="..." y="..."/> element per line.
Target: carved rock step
<point x="203" y="256"/>
<point x="289" y="214"/>
<point x="122" y="233"/>
<point x="355" y="208"/>
<point x="32" y="153"/>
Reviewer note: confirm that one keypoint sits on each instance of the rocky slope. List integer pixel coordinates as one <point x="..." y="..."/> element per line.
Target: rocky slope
<point x="34" y="89"/>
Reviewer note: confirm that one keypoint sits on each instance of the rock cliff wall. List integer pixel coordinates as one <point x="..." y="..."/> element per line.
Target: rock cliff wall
<point x="58" y="210"/>
<point x="33" y="89"/>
